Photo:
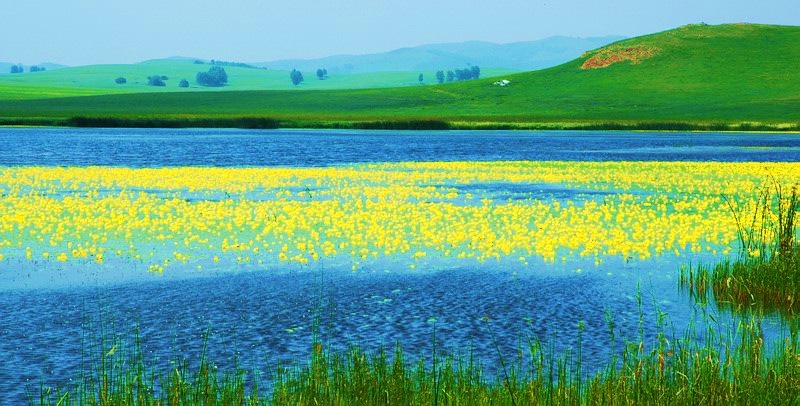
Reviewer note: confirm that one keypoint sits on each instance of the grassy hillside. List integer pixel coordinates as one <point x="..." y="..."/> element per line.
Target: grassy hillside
<point x="694" y="74"/>
<point x="99" y="80"/>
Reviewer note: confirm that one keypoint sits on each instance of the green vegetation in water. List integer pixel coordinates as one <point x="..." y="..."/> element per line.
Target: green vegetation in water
<point x="701" y="367"/>
<point x="698" y="77"/>
<point x="767" y="272"/>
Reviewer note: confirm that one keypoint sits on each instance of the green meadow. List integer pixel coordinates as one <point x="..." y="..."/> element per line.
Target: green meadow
<point x="96" y="80"/>
<point x="740" y="76"/>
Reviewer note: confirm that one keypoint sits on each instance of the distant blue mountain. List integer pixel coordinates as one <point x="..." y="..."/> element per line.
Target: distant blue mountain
<point x="523" y="56"/>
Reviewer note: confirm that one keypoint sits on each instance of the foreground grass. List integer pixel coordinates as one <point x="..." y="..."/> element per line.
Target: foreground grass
<point x="734" y="367"/>
<point x="767" y="274"/>
<point x="728" y="77"/>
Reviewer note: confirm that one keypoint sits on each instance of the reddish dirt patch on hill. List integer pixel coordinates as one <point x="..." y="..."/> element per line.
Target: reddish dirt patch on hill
<point x="606" y="57"/>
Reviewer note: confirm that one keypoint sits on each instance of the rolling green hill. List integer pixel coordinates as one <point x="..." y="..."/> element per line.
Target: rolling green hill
<point x="698" y="75"/>
<point x="99" y="80"/>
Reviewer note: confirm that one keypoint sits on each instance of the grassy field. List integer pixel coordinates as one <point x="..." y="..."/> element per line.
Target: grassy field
<point x="696" y="75"/>
<point x="99" y="80"/>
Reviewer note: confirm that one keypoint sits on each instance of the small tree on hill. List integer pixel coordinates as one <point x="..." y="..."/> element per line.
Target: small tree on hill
<point x="451" y="76"/>
<point x="320" y="74"/>
<point x="420" y="78"/>
<point x="476" y="72"/>
<point x="215" y="77"/>
<point x="183" y="83"/>
<point x="440" y="76"/>
<point x="296" y="77"/>
<point x="37" y="68"/>
<point x="155" y="80"/>
<point x="120" y="80"/>
<point x="17" y="69"/>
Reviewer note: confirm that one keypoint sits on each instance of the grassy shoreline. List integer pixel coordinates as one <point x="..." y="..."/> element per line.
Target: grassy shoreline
<point x="255" y="122"/>
<point x="702" y="366"/>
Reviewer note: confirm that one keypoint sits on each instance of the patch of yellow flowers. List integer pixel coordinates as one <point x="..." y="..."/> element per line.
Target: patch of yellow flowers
<point x="401" y="212"/>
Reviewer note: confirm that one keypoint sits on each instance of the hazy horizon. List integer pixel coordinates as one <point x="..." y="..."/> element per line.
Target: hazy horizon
<point x="82" y="32"/>
<point x="324" y="56"/>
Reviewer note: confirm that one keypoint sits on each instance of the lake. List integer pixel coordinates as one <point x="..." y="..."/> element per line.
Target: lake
<point x="191" y="147"/>
<point x="260" y="314"/>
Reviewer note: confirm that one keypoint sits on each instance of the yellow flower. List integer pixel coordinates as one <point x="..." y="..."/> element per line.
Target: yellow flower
<point x="371" y="212"/>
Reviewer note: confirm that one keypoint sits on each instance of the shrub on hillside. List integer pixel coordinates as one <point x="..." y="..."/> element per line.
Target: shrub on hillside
<point x="215" y="77"/>
<point x="296" y="77"/>
<point x="156" y="80"/>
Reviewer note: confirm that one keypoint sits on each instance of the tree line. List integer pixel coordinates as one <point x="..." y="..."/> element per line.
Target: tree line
<point x="215" y="77"/>
<point x="21" y="69"/>
<point x="154" y="80"/>
<point x="228" y="63"/>
<point x="297" y="77"/>
<point x="473" y="72"/>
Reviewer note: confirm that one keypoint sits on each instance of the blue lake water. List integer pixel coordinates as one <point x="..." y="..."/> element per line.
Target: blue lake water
<point x="263" y="317"/>
<point x="157" y="148"/>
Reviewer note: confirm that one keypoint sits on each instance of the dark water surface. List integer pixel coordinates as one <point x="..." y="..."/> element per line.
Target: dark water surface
<point x="195" y="147"/>
<point x="262" y="317"/>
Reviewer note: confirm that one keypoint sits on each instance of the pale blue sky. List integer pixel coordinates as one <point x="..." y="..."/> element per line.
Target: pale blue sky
<point x="78" y="32"/>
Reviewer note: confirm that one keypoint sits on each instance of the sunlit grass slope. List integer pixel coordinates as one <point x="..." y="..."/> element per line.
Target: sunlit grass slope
<point x="99" y="80"/>
<point x="693" y="74"/>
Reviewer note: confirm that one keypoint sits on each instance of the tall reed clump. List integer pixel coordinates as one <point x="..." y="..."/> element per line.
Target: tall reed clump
<point x="767" y="272"/>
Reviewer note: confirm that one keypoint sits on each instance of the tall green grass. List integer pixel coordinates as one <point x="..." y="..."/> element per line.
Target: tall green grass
<point x="706" y="365"/>
<point x="767" y="272"/>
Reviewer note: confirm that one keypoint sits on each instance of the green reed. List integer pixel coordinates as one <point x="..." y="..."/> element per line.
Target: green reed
<point x="767" y="273"/>
<point x="707" y="364"/>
